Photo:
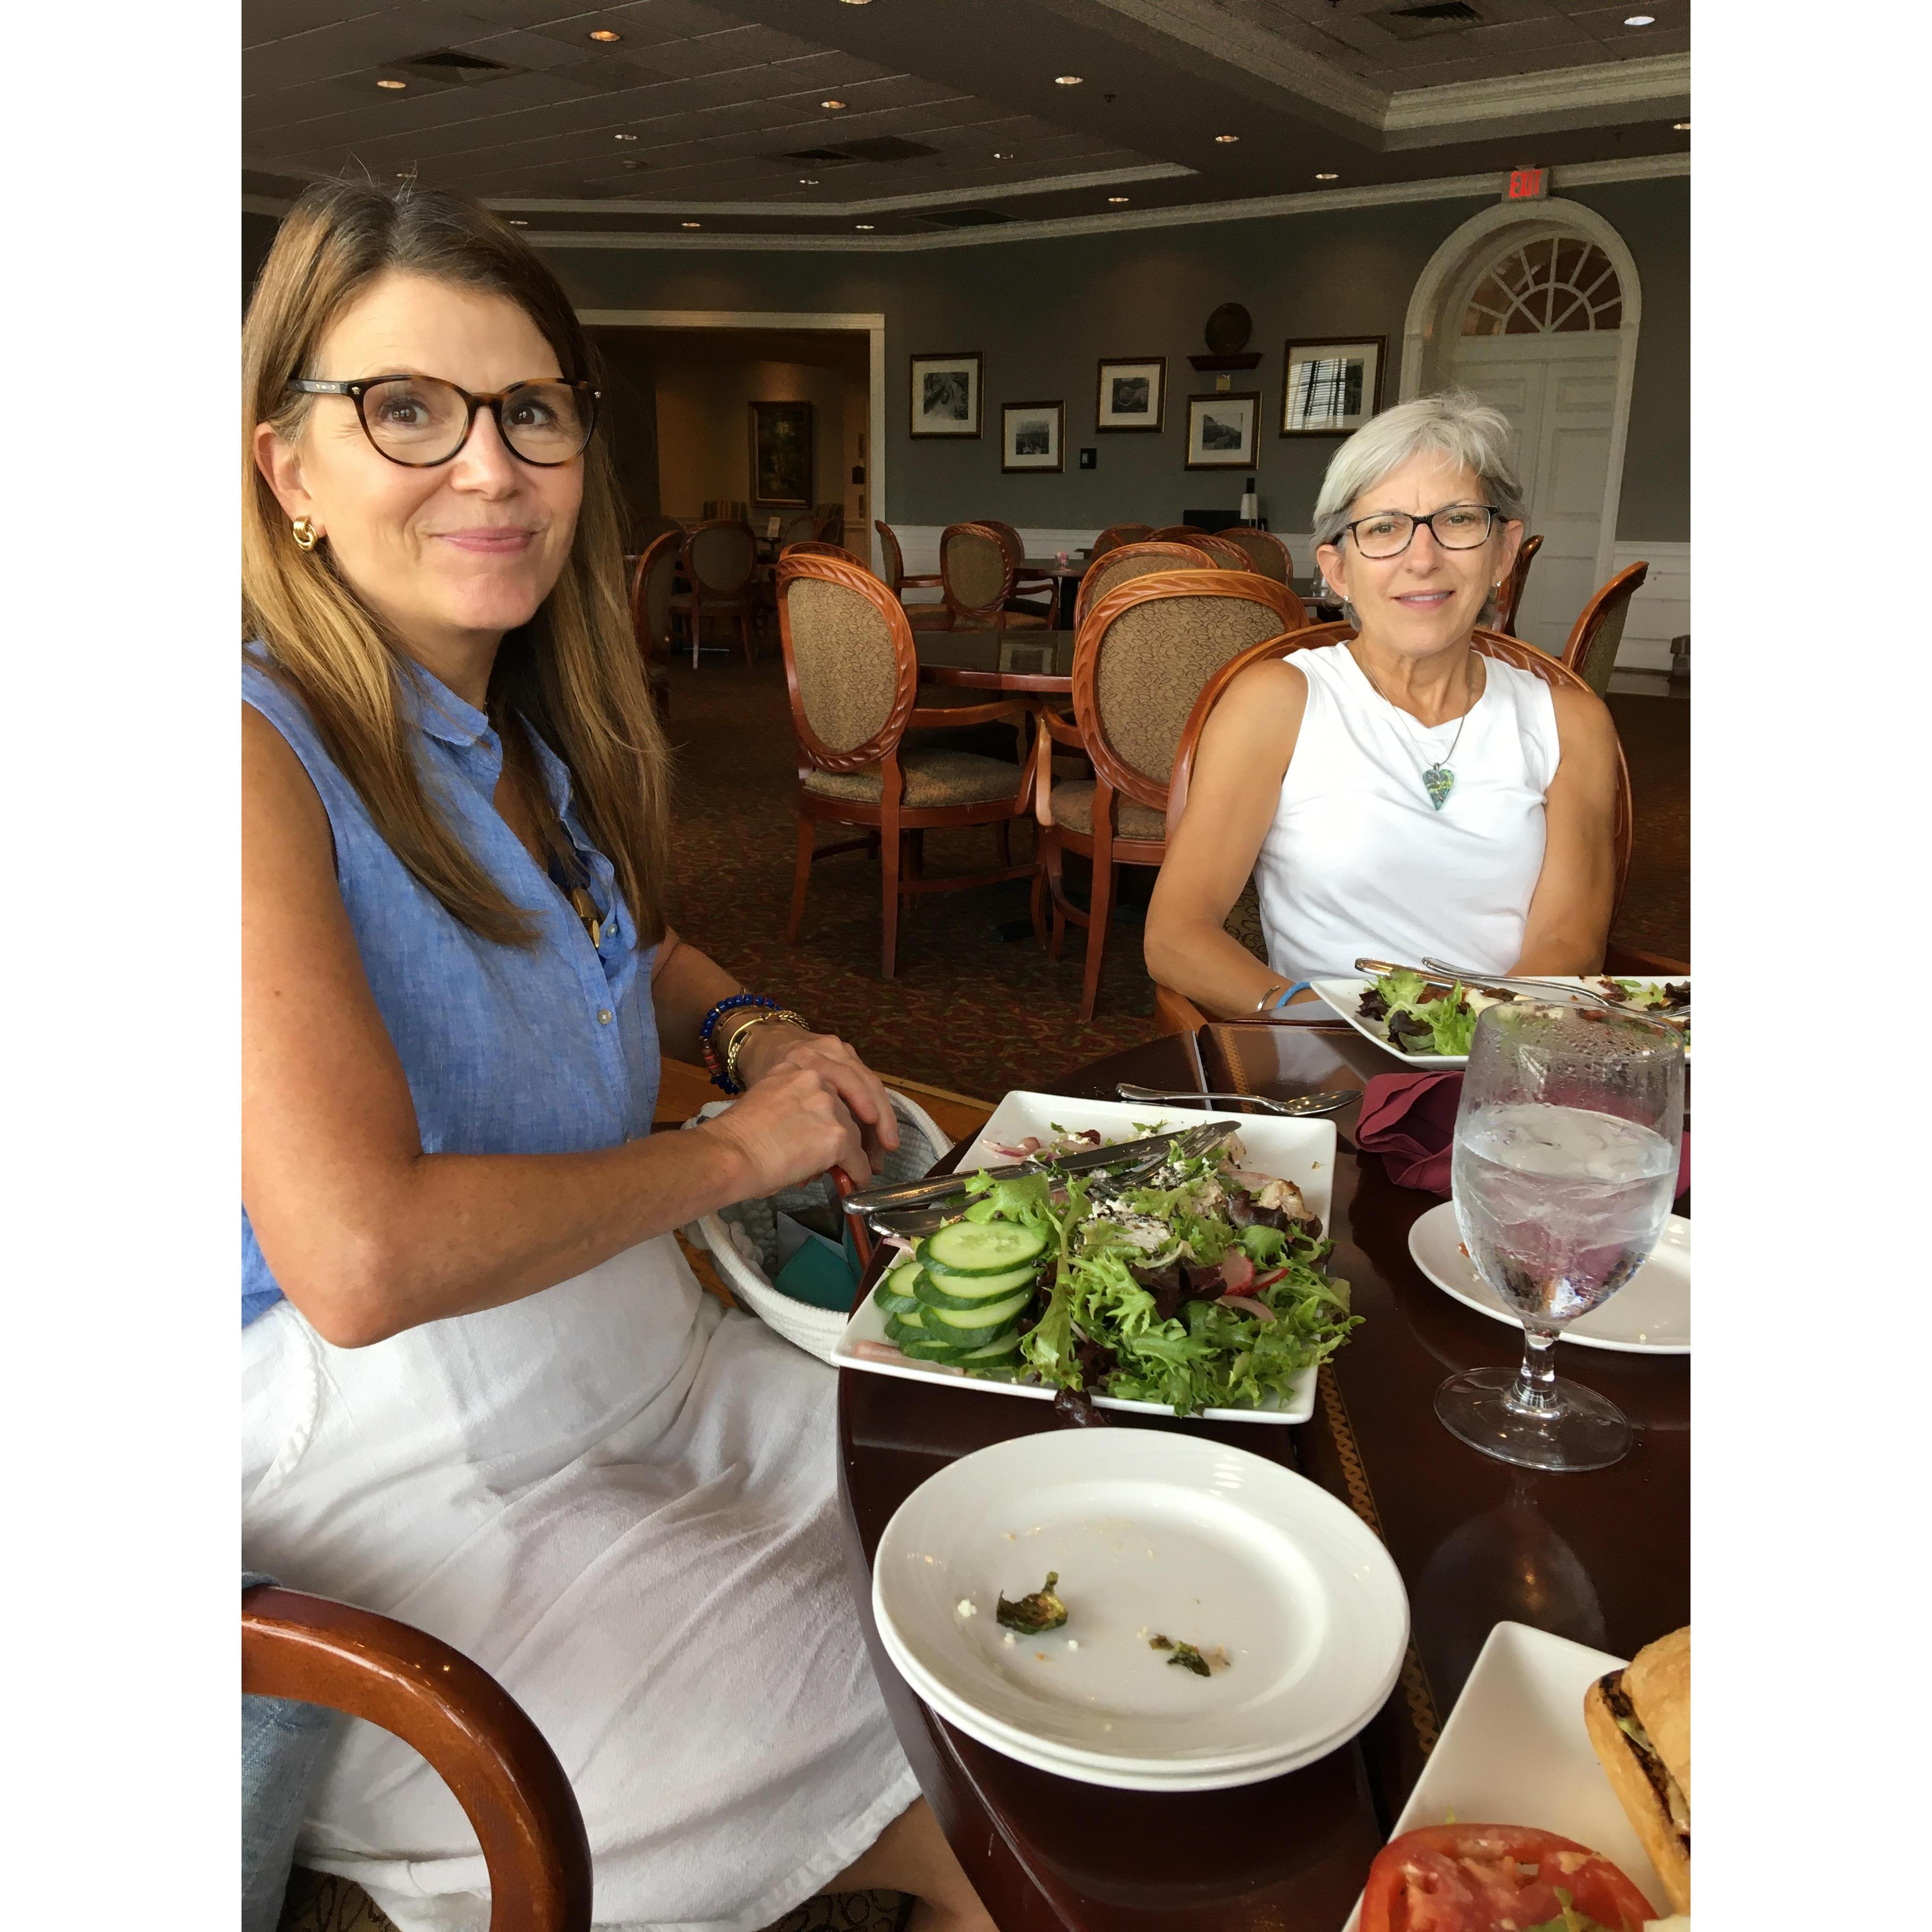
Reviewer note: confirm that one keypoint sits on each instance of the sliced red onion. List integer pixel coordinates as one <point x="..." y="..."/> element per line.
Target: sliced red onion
<point x="1237" y="1271"/>
<point x="1260" y="1310"/>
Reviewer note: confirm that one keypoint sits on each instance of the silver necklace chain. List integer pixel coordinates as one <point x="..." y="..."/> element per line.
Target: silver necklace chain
<point x="1438" y="778"/>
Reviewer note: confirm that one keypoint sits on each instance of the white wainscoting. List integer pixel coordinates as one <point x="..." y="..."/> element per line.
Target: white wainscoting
<point x="1660" y="611"/>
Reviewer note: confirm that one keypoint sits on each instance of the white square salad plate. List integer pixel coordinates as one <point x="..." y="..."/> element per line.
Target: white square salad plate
<point x="1294" y="1603"/>
<point x="1514" y="1751"/>
<point x="1302" y="1151"/>
<point x="1345" y="996"/>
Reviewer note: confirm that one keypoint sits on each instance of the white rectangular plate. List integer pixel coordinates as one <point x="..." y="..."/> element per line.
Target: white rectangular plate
<point x="1345" y="994"/>
<point x="1514" y="1752"/>
<point x="1302" y="1151"/>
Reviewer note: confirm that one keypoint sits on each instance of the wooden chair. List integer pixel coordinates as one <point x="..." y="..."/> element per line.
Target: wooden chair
<point x="651" y="593"/>
<point x="646" y="530"/>
<point x="1265" y="551"/>
<point x="1024" y="581"/>
<point x="976" y="575"/>
<point x="853" y="678"/>
<point x="1509" y="599"/>
<point x="1142" y="655"/>
<point x="810" y="548"/>
<point x="922" y="616"/>
<point x="1174" y="1012"/>
<point x="830" y="521"/>
<point x="1114" y="534"/>
<point x="475" y="1736"/>
<point x="1126" y="561"/>
<point x="1592" y="652"/>
<point x="718" y="560"/>
<point x="801" y="526"/>
<point x="1227" y="555"/>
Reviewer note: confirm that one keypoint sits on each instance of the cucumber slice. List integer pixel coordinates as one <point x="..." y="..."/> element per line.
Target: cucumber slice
<point x="981" y="1248"/>
<point x="970" y="1291"/>
<point x="991" y="1354"/>
<point x="985" y="1320"/>
<point x="906" y="1327"/>
<point x="937" y="1353"/>
<point x="894" y="1293"/>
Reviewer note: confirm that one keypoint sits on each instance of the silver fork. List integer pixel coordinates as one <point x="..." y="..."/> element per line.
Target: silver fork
<point x="1585" y="994"/>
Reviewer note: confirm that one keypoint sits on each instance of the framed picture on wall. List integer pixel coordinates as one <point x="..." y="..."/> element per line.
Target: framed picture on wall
<point x="781" y="455"/>
<point x="1030" y="435"/>
<point x="1133" y="395"/>
<point x="1331" y="389"/>
<point x="946" y="394"/>
<point x="1222" y="430"/>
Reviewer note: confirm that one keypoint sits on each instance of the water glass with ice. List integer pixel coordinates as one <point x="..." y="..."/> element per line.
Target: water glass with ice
<point x="1563" y="1172"/>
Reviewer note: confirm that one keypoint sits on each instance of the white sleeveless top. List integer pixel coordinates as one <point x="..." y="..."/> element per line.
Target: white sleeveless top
<point x="1358" y="863"/>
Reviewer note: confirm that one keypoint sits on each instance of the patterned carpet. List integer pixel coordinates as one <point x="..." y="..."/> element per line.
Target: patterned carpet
<point x="970" y="1010"/>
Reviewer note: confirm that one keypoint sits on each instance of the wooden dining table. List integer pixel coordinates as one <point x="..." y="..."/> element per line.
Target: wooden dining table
<point x="1602" y="1558"/>
<point x="1028" y="663"/>
<point x="1066" y="573"/>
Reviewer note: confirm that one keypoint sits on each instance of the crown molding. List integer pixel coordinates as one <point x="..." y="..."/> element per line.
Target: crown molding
<point x="264" y="204"/>
<point x="886" y="204"/>
<point x="1198" y="214"/>
<point x="1276" y="57"/>
<point x="1663" y="77"/>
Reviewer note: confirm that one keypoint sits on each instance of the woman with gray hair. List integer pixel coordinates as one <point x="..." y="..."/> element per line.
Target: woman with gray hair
<point x="1397" y="794"/>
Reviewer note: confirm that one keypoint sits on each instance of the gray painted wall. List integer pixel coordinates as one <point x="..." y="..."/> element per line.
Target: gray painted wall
<point x="1044" y="312"/>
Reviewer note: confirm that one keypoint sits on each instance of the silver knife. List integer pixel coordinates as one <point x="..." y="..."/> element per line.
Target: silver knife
<point x="911" y="1193"/>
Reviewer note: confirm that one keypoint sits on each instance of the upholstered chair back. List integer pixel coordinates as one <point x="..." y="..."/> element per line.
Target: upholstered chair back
<point x="650" y="592"/>
<point x="719" y="558"/>
<point x="977" y="571"/>
<point x="830" y="519"/>
<point x="1010" y="540"/>
<point x="1144" y="654"/>
<point x="646" y="529"/>
<point x="1592" y="652"/>
<point x="1114" y="534"/>
<point x="843" y="657"/>
<point x="1264" y="551"/>
<point x="801" y="526"/>
<point x="893" y="555"/>
<point x="812" y="548"/>
<point x="1126" y="561"/>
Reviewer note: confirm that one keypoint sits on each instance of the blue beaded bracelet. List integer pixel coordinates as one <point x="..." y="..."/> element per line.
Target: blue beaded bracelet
<point x="711" y="1061"/>
<point x="1299" y="986"/>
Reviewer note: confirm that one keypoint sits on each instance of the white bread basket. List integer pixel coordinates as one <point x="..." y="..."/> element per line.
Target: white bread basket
<point x="742" y="1239"/>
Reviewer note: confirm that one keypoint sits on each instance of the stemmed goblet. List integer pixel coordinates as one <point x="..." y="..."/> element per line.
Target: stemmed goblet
<point x="1563" y="1169"/>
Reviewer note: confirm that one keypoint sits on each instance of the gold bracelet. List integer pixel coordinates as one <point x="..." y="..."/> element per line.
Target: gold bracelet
<point x="736" y="1044"/>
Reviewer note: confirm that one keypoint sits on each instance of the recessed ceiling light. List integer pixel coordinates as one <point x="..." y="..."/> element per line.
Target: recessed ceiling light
<point x="1328" y="177"/>
<point x="691" y="224"/>
<point x="392" y="83"/>
<point x="1068" y="80"/>
<point x="517" y="221"/>
<point x="808" y="180"/>
<point x="1117" y="198"/>
<point x="1003" y="153"/>
<point x="863" y="227"/>
<point x="623" y="137"/>
<point x="606" y="34"/>
<point x="834" y="105"/>
<point x="1681" y="127"/>
<point x="1640" y="20"/>
<point x="1225" y="138"/>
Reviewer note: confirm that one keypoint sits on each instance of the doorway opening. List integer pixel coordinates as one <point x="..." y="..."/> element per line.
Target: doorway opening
<point x="695" y="436"/>
<point x="1537" y="312"/>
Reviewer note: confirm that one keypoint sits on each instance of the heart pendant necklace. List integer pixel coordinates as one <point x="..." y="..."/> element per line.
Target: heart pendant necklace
<point x="1439" y="779"/>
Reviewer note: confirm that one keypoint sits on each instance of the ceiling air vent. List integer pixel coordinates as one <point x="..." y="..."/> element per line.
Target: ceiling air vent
<point x="824" y="157"/>
<point x="964" y="217"/>
<point x="452" y="68"/>
<point x="1438" y="17"/>
<point x="887" y="147"/>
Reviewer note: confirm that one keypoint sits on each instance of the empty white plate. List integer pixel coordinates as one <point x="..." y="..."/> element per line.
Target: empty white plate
<point x="1650" y="1315"/>
<point x="1150" y="1535"/>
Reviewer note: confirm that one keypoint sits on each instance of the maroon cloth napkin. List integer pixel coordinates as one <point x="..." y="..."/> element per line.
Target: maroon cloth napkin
<point x="1409" y="1119"/>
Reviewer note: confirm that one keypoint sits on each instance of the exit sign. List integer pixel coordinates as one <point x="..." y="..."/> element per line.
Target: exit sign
<point x="1528" y="184"/>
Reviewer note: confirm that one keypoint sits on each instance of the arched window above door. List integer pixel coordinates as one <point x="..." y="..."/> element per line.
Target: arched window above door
<point x="1556" y="285"/>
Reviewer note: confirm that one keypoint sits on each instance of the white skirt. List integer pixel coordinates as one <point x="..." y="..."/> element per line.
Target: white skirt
<point x="618" y="1499"/>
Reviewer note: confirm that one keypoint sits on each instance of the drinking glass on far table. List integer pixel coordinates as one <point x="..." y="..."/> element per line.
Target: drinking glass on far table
<point x="1564" y="1171"/>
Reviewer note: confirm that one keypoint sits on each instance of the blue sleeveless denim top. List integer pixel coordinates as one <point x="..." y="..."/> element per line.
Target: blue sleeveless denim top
<point x="548" y="1049"/>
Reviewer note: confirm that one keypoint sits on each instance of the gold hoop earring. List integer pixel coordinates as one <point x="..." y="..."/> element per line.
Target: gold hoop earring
<point x="306" y="534"/>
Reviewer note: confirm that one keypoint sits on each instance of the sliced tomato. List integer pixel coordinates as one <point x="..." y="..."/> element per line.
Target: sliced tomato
<point x="1493" y="1878"/>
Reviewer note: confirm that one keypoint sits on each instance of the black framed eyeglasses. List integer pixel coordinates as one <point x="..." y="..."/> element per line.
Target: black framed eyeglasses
<point x="422" y="421"/>
<point x="1455" y="526"/>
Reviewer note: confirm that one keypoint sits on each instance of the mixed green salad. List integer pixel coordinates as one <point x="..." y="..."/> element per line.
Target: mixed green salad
<point x="1197" y="1287"/>
<point x="1419" y="1016"/>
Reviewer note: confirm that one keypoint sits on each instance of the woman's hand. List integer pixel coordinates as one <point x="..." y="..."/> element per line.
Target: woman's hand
<point x="810" y="1103"/>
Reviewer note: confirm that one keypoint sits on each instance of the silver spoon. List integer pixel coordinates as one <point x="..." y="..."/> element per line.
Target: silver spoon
<point x="1301" y="1106"/>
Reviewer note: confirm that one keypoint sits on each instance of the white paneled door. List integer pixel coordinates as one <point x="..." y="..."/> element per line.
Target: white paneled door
<point x="1559" y="392"/>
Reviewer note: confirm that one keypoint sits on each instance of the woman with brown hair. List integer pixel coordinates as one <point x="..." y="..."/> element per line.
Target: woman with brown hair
<point x="481" y="1391"/>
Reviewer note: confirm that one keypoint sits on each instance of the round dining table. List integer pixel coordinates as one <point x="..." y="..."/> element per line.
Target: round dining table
<point x="1602" y="1558"/>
